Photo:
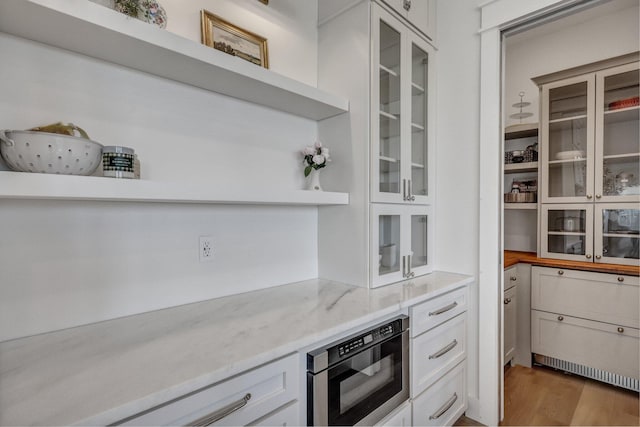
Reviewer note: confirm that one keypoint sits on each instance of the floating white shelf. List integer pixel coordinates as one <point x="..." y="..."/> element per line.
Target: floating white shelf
<point x="96" y="31"/>
<point x="23" y="185"/>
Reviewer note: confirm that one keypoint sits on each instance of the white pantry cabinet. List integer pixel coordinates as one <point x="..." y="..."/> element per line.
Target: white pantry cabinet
<point x="587" y="323"/>
<point x="267" y="395"/>
<point x="510" y="324"/>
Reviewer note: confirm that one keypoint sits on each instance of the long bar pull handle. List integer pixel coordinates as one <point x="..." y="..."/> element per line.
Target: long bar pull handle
<point x="404" y="190"/>
<point x="209" y="419"/>
<point x="410" y="196"/>
<point x="445" y="350"/>
<point x="404" y="266"/>
<point x="444" y="309"/>
<point x="444" y="407"/>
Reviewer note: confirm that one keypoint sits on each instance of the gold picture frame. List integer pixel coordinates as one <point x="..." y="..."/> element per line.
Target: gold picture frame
<point x="226" y="37"/>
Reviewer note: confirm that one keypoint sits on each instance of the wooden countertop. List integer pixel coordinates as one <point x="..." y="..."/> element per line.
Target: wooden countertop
<point x="514" y="257"/>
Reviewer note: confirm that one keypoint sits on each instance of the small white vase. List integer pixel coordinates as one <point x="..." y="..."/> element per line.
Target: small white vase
<point x="314" y="183"/>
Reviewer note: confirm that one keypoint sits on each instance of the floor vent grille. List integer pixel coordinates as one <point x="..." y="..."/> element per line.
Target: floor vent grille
<point x="585" y="371"/>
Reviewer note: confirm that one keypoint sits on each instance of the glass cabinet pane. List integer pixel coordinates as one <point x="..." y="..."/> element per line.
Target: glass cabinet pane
<point x="620" y="134"/>
<point x="389" y="244"/>
<point x="390" y="109"/>
<point x="419" y="90"/>
<point x="566" y="231"/>
<point x="568" y="101"/>
<point x="418" y="241"/>
<point x="620" y="233"/>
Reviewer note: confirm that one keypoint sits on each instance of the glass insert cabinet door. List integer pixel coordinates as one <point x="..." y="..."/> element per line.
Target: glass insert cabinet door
<point x="618" y="134"/>
<point x="400" y="107"/>
<point x="617" y="227"/>
<point x="401" y="239"/>
<point x="568" y="140"/>
<point x="567" y="232"/>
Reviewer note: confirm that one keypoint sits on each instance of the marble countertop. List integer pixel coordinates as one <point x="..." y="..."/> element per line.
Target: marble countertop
<point x="104" y="372"/>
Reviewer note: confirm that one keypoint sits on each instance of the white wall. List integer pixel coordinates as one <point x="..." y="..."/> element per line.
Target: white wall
<point x="457" y="146"/>
<point x="611" y="31"/>
<point x="69" y="263"/>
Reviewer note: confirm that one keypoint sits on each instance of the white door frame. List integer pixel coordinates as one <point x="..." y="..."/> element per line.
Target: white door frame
<point x="496" y="16"/>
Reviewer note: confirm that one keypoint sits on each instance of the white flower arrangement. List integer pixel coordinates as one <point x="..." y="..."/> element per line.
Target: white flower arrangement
<point x="315" y="157"/>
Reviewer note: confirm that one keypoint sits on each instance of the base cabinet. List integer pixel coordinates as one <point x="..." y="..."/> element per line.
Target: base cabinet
<point x="444" y="402"/>
<point x="510" y="320"/>
<point x="401" y="417"/>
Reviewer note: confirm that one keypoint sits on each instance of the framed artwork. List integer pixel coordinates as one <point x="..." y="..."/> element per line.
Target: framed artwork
<point x="223" y="35"/>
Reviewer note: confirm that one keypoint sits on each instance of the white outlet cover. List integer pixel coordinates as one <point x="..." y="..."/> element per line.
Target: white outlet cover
<point x="205" y="249"/>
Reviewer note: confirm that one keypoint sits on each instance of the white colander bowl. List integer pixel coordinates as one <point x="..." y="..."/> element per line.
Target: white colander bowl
<point x="31" y="151"/>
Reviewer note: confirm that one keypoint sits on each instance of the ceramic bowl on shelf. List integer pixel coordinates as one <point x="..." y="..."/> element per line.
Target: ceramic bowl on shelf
<point x="570" y="155"/>
<point x="43" y="152"/>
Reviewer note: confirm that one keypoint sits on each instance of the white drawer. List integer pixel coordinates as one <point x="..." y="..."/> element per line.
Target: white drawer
<point x="444" y="402"/>
<point x="270" y="386"/>
<point x="436" y="352"/>
<point x="287" y="416"/>
<point x="431" y="313"/>
<point x="597" y="345"/>
<point x="602" y="297"/>
<point x="510" y="277"/>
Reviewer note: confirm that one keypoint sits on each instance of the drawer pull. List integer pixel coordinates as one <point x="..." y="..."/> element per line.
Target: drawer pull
<point x="444" y="309"/>
<point x="207" y="420"/>
<point x="620" y="279"/>
<point x="444" y="407"/>
<point x="560" y="272"/>
<point x="621" y="330"/>
<point x="445" y="350"/>
<point x="560" y="318"/>
<point x="513" y="278"/>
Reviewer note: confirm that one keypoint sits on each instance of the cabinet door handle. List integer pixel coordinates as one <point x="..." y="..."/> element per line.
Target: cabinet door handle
<point x="620" y="279"/>
<point x="513" y="278"/>
<point x="407" y="5"/>
<point x="621" y="330"/>
<point x="445" y="350"/>
<point x="213" y="417"/>
<point x="404" y="190"/>
<point x="589" y="196"/>
<point x="507" y="300"/>
<point x="412" y="198"/>
<point x="588" y="256"/>
<point x="598" y="256"/>
<point x="410" y="273"/>
<point x="404" y="266"/>
<point x="444" y="408"/>
<point x="598" y="196"/>
<point x="560" y="318"/>
<point x="444" y="309"/>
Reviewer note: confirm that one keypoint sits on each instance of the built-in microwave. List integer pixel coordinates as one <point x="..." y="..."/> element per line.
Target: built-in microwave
<point x="360" y="379"/>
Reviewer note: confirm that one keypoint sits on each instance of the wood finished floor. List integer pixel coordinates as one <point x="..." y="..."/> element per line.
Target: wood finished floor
<point x="542" y="396"/>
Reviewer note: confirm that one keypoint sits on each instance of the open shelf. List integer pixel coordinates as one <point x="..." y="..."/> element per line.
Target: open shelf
<point x="24" y="185"/>
<point x="388" y="71"/>
<point x="524" y="130"/>
<point x="99" y="32"/>
<point x="416" y="89"/>
<point x="521" y="167"/>
<point x="521" y="206"/>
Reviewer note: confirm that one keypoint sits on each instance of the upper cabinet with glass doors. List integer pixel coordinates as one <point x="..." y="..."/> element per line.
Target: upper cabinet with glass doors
<point x="590" y="140"/>
<point x="401" y="127"/>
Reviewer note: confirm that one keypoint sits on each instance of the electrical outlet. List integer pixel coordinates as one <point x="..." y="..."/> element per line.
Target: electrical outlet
<point x="206" y="249"/>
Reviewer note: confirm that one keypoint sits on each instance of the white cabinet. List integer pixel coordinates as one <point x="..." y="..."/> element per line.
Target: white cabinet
<point x="255" y="397"/>
<point x="438" y="359"/>
<point x="444" y="402"/>
<point x="401" y="237"/>
<point x="371" y="56"/>
<point x="590" y="136"/>
<point x="420" y="13"/>
<point x="587" y="323"/>
<point x="510" y="324"/>
<point x="402" y="79"/>
<point x="600" y="232"/>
